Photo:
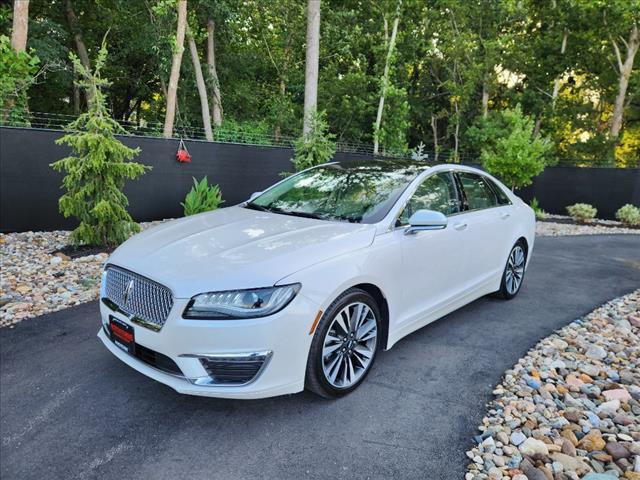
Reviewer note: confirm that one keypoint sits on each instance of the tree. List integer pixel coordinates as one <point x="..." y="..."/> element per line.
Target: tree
<point x="79" y="41"/>
<point x="317" y="146"/>
<point x="216" y="100"/>
<point x="176" y="62"/>
<point x="17" y="73"/>
<point x="509" y="149"/>
<point x="202" y="88"/>
<point x="384" y="84"/>
<point x="311" y="64"/>
<point x="624" y="68"/>
<point x="20" y="25"/>
<point x="96" y="174"/>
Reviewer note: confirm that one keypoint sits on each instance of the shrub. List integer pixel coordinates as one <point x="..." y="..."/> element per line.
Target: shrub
<point x="509" y="149"/>
<point x="201" y="198"/>
<point x="17" y="74"/>
<point x="629" y="215"/>
<point x="96" y="174"/>
<point x="582" y="212"/>
<point x="535" y="206"/>
<point x="315" y="148"/>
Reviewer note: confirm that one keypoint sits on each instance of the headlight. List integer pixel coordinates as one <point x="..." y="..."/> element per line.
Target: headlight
<point x="257" y="302"/>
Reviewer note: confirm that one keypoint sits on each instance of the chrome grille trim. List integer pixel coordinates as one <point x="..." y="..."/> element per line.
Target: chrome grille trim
<point x="148" y="303"/>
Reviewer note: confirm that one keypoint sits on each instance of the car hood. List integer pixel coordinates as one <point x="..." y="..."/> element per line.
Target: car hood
<point x="234" y="248"/>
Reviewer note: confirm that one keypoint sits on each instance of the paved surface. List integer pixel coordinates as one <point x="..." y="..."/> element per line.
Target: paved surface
<point x="71" y="410"/>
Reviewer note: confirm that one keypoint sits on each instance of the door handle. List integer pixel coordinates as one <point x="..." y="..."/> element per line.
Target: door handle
<point x="460" y="226"/>
<point x="505" y="215"/>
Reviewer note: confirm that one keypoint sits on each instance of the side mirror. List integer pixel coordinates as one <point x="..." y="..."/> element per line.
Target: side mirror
<point x="254" y="195"/>
<point x="426" y="220"/>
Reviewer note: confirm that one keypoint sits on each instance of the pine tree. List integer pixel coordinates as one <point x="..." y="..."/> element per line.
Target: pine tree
<point x="98" y="167"/>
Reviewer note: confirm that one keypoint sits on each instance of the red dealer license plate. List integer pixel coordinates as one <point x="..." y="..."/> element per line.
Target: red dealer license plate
<point x="122" y="335"/>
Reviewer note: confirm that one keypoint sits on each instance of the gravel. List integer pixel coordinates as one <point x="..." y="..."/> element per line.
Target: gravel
<point x="35" y="281"/>
<point x="550" y="228"/>
<point x="570" y="408"/>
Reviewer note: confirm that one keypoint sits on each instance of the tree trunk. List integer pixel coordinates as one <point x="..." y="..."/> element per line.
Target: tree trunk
<point x="385" y="81"/>
<point x="456" y="134"/>
<point x="556" y="82"/>
<point x="624" y="70"/>
<point x="79" y="41"/>
<point x="537" y="126"/>
<point x="283" y="83"/>
<point x="485" y="100"/>
<point x="20" y="25"/>
<point x="174" y="77"/>
<point x="202" y="88"/>
<point x="434" y="129"/>
<point x="311" y="64"/>
<point x="216" y="101"/>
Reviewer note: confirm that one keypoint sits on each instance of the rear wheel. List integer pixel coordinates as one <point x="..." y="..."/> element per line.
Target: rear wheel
<point x="513" y="274"/>
<point x="345" y="344"/>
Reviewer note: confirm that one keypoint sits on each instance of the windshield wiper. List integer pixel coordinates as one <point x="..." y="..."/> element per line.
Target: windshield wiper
<point x="293" y="213"/>
<point x="255" y="206"/>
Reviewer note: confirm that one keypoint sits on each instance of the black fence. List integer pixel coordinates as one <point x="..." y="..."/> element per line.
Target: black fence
<point x="29" y="188"/>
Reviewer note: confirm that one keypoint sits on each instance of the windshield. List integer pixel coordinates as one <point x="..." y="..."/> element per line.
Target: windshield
<point x="354" y="192"/>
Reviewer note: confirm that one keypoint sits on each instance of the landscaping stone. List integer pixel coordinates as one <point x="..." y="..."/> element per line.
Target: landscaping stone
<point x="570" y="409"/>
<point x="552" y="229"/>
<point x="35" y="281"/>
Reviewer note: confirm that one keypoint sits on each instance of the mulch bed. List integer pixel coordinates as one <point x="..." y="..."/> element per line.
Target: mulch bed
<point x="82" y="251"/>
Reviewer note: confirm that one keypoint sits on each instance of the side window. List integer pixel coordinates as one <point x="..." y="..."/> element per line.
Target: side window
<point x="502" y="197"/>
<point x="437" y="193"/>
<point x="478" y="193"/>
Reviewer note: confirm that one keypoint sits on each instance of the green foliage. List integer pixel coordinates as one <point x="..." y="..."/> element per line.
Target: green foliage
<point x="201" y="198"/>
<point x="17" y="73"/>
<point x="448" y="53"/>
<point x="251" y="132"/>
<point x="315" y="148"/>
<point x="582" y="212"/>
<point x="509" y="150"/>
<point x="539" y="212"/>
<point x="96" y="174"/>
<point x="629" y="215"/>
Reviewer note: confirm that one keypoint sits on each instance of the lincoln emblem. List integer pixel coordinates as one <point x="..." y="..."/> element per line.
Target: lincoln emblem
<point x="127" y="291"/>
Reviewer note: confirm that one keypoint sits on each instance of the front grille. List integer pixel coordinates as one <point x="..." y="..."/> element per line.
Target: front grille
<point x="233" y="371"/>
<point x="138" y="296"/>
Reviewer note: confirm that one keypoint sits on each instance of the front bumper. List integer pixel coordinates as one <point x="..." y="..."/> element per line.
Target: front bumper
<point x="284" y="335"/>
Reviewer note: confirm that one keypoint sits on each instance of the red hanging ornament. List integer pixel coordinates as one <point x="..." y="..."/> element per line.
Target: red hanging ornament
<point x="183" y="155"/>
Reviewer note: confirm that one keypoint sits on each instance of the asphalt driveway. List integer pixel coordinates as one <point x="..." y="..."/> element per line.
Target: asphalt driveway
<point x="69" y="409"/>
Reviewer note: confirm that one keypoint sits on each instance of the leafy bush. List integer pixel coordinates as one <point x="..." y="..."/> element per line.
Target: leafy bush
<point x="582" y="212"/>
<point x="250" y="132"/>
<point x="315" y="148"/>
<point x="97" y="173"/>
<point x="629" y="215"/>
<point x="201" y="198"/>
<point x="535" y="206"/>
<point x="17" y="71"/>
<point x="509" y="149"/>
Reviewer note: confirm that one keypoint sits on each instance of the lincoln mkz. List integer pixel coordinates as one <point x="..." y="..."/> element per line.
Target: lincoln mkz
<point x="306" y="283"/>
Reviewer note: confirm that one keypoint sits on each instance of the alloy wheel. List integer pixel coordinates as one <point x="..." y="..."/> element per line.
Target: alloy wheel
<point x="515" y="270"/>
<point x="349" y="345"/>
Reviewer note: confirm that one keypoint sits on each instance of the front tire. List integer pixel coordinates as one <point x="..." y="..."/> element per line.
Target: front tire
<point x="344" y="345"/>
<point x="513" y="274"/>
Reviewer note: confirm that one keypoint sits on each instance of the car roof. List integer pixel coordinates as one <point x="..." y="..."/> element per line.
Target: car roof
<point x="415" y="167"/>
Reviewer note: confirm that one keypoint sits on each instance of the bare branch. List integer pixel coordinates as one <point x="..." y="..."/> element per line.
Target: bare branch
<point x="617" y="52"/>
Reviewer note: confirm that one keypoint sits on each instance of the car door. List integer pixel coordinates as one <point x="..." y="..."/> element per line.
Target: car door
<point x="487" y="222"/>
<point x="432" y="260"/>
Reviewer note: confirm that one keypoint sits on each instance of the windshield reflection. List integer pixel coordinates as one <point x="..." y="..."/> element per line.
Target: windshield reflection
<point x="355" y="192"/>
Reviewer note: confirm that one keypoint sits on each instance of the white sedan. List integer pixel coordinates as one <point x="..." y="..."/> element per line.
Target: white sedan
<point x="303" y="285"/>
